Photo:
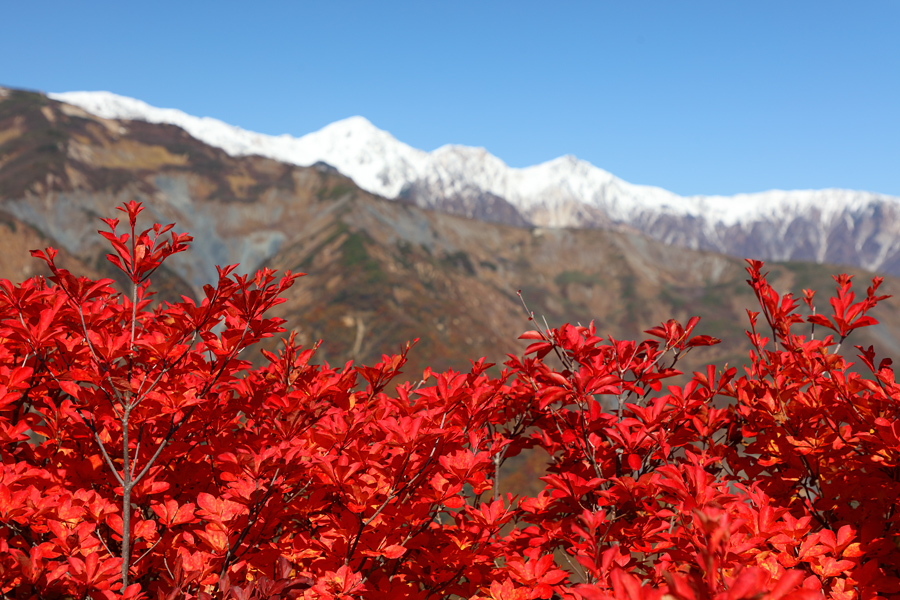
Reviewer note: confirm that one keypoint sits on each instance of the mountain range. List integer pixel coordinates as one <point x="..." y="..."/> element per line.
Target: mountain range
<point x="823" y="226"/>
<point x="381" y="269"/>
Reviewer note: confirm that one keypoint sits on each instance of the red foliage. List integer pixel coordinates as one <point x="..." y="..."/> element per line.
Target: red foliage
<point x="143" y="457"/>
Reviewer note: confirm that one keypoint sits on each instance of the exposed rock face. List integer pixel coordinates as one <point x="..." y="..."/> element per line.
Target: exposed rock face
<point x="471" y="203"/>
<point x="864" y="232"/>
<point x="380" y="272"/>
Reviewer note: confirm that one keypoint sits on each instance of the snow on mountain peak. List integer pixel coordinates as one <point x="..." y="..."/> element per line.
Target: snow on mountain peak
<point x="356" y="125"/>
<point x="554" y="193"/>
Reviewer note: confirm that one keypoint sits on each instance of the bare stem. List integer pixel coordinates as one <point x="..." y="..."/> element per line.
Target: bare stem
<point x="127" y="484"/>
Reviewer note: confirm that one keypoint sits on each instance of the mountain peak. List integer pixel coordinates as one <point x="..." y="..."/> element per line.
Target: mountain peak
<point x="352" y="133"/>
<point x="357" y="128"/>
<point x="354" y="123"/>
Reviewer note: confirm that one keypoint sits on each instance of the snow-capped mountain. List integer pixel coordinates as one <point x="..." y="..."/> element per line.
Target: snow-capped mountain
<point x="839" y="226"/>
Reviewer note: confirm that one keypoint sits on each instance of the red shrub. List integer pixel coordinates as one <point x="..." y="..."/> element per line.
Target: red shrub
<point x="143" y="457"/>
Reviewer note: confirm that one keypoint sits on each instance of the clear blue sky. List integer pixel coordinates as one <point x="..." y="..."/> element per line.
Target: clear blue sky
<point x="696" y="97"/>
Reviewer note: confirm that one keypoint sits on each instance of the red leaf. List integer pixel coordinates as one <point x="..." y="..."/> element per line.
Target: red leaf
<point x="532" y="335"/>
<point x="393" y="551"/>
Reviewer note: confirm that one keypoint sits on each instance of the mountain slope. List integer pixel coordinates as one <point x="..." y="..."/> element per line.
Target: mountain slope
<point x="836" y="226"/>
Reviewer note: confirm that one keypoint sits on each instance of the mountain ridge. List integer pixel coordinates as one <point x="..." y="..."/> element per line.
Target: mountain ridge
<point x="323" y="145"/>
<point x="832" y="225"/>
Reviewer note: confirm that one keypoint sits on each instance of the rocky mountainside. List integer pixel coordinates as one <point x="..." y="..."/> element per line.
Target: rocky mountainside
<point x="823" y="226"/>
<point x="380" y="272"/>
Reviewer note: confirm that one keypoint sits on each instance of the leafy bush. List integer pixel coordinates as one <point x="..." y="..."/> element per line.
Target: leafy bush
<point x="143" y="456"/>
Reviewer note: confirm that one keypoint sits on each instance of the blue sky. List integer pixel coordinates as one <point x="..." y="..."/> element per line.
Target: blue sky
<point x="696" y="97"/>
